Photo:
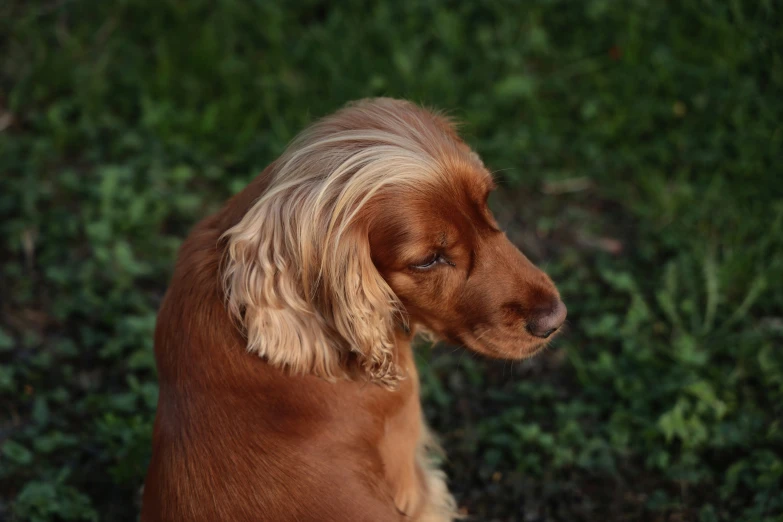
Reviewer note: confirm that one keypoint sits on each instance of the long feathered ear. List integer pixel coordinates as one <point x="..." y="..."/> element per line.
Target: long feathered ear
<point x="360" y="305"/>
<point x="307" y="302"/>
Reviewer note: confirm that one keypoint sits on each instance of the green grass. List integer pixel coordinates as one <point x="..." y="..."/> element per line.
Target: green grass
<point x="125" y="122"/>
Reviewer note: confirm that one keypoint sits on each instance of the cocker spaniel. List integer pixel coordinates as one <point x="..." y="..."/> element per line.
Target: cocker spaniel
<point x="288" y="389"/>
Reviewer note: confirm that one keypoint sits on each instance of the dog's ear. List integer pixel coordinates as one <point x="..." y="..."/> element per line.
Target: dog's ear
<point x="261" y="280"/>
<point x="360" y="304"/>
<point x="308" y="302"/>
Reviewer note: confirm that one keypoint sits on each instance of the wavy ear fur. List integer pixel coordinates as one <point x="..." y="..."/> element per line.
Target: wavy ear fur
<point x="361" y="306"/>
<point x="349" y="312"/>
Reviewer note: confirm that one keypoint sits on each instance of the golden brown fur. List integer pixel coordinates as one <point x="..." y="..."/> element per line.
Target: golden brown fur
<point x="288" y="390"/>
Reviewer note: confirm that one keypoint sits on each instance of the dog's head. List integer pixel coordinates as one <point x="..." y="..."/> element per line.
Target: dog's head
<point x="375" y="221"/>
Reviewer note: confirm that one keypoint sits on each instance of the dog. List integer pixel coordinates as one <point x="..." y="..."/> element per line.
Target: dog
<point x="288" y="389"/>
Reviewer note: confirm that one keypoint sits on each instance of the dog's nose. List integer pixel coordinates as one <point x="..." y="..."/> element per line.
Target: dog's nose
<point x="545" y="321"/>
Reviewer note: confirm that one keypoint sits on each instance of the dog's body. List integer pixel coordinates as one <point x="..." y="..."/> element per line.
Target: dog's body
<point x="326" y="425"/>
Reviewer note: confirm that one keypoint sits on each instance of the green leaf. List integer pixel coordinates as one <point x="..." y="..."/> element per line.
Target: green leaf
<point x="17" y="453"/>
<point x="6" y="341"/>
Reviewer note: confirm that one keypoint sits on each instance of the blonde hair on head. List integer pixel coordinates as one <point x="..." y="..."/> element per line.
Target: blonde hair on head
<point x="298" y="274"/>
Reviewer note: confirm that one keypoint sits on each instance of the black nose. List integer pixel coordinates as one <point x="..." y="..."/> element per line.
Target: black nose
<point x="543" y="322"/>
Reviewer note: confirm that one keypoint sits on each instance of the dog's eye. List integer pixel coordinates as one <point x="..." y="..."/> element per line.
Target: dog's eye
<point x="428" y="263"/>
<point x="431" y="261"/>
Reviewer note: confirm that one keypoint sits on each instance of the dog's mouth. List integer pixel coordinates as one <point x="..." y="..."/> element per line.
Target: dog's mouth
<point x="487" y="342"/>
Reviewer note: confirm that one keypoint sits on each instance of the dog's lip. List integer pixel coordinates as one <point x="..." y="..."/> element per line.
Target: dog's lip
<point x="521" y="348"/>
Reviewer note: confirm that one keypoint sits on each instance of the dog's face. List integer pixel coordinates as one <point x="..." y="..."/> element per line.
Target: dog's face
<point x="311" y="292"/>
<point x="457" y="274"/>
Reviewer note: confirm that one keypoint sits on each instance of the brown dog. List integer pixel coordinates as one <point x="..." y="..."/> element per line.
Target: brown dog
<point x="288" y="390"/>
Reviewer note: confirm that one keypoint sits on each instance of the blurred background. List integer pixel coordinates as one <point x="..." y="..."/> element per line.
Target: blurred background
<point x="638" y="148"/>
